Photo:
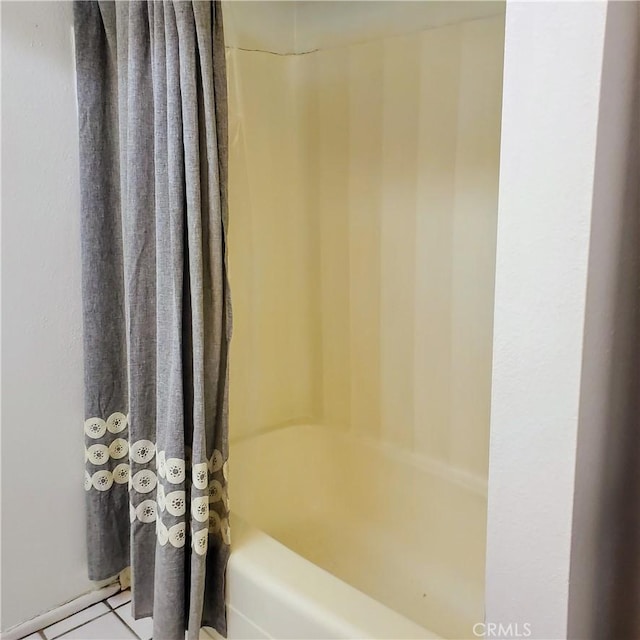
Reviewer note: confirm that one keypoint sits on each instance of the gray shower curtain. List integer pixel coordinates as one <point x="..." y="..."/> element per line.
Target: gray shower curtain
<point x="157" y="319"/>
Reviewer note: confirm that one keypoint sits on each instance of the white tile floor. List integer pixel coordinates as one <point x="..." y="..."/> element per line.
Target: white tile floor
<point x="108" y="620"/>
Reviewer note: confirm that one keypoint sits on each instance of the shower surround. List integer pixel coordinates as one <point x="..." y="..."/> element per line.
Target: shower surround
<point x="363" y="211"/>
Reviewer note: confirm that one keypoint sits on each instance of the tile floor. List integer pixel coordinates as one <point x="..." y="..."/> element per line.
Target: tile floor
<point x="108" y="620"/>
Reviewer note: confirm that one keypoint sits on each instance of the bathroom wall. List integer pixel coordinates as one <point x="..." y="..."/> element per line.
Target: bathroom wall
<point x="563" y="534"/>
<point x="363" y="217"/>
<point x="605" y="548"/>
<point x="275" y="324"/>
<point x="285" y="27"/>
<point x="43" y="548"/>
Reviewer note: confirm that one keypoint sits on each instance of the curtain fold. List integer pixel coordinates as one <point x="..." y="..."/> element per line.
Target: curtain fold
<point x="157" y="317"/>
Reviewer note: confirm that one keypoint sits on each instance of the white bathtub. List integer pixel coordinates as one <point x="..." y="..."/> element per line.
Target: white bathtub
<point x="337" y="536"/>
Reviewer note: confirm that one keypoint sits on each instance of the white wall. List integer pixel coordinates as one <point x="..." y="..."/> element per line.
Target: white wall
<point x="562" y="356"/>
<point x="43" y="550"/>
<point x="605" y="552"/>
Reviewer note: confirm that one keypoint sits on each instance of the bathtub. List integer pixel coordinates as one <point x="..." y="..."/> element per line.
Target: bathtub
<point x="340" y="536"/>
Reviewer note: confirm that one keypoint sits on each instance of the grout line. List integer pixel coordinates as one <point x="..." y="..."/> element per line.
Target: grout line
<point x="124" y="623"/>
<point x="106" y="600"/>
<point x="102" y="615"/>
<point x="51" y="617"/>
<point x="76" y="627"/>
<point x="40" y="632"/>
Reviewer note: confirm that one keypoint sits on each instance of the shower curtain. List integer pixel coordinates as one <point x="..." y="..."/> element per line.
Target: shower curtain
<point x="157" y="319"/>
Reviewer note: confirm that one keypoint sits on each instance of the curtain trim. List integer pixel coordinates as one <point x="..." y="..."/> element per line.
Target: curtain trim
<point x="174" y="470"/>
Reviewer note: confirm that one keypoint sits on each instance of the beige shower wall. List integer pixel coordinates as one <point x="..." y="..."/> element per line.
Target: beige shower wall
<point x="272" y="372"/>
<point x="362" y="244"/>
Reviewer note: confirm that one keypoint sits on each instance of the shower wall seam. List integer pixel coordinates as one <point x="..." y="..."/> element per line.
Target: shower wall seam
<point x="362" y="42"/>
<point x="273" y="53"/>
